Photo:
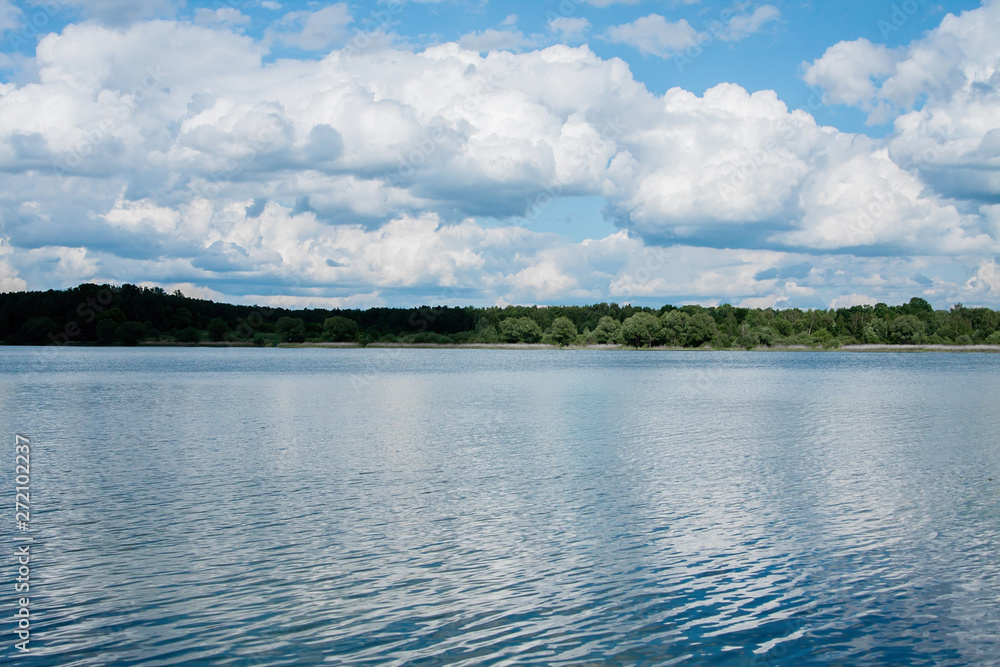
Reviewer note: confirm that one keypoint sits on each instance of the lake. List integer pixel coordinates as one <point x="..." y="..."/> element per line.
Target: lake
<point x="495" y="507"/>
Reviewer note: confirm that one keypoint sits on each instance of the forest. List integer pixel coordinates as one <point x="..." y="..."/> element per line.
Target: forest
<point x="131" y="315"/>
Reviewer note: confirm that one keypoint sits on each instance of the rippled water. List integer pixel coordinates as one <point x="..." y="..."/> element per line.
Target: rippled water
<point x="467" y="507"/>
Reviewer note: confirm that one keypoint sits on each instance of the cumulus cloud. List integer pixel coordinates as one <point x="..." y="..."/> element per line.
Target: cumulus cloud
<point x="850" y="300"/>
<point x="986" y="280"/>
<point x="492" y="39"/>
<point x="123" y="12"/>
<point x="10" y="16"/>
<point x="223" y="16"/>
<point x="952" y="76"/>
<point x="850" y="71"/>
<point x="569" y="28"/>
<point x="173" y="152"/>
<point x="442" y="129"/>
<point x="741" y="169"/>
<point x="9" y="280"/>
<point x="189" y="290"/>
<point x="313" y="31"/>
<point x="957" y="58"/>
<point x="740" y="26"/>
<point x="654" y="35"/>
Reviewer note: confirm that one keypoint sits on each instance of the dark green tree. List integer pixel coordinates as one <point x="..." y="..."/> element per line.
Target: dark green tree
<point x="291" y="329"/>
<point x="700" y="329"/>
<point x="106" y="330"/>
<point x="189" y="335"/>
<point x="130" y="333"/>
<point x="906" y="329"/>
<point x="217" y="329"/>
<point x="36" y="330"/>
<point x="918" y="307"/>
<point x="340" y="329"/>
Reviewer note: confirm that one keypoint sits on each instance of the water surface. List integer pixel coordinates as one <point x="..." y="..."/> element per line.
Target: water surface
<point x="480" y="507"/>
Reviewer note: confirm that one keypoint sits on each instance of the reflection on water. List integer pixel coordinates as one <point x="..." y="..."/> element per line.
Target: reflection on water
<point x="278" y="507"/>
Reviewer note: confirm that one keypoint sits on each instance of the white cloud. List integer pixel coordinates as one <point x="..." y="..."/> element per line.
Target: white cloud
<point x="362" y="175"/>
<point x="740" y="169"/>
<point x="655" y="35"/>
<point x="951" y="75"/>
<point x="741" y="26"/>
<point x="70" y="265"/>
<point x="569" y="29"/>
<point x="223" y="16"/>
<point x="848" y="71"/>
<point x="850" y="300"/>
<point x="369" y="300"/>
<point x="492" y="39"/>
<point x="314" y="31"/>
<point x="123" y="12"/>
<point x="950" y="59"/>
<point x="10" y="16"/>
<point x="270" y="4"/>
<point x="986" y="279"/>
<point x="449" y="128"/>
<point x="9" y="280"/>
<point x="191" y="290"/>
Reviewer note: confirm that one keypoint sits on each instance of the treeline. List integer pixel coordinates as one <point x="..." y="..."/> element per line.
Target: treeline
<point x="129" y="315"/>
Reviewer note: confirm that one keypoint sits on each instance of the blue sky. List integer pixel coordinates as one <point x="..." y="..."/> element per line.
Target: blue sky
<point x="480" y="152"/>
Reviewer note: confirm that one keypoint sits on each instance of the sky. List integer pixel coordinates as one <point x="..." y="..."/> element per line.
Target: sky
<point x="475" y="152"/>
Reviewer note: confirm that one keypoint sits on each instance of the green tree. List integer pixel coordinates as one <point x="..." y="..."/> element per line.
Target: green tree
<point x="188" y="335"/>
<point x="906" y="329"/>
<point x="507" y="330"/>
<point x="766" y="335"/>
<point x="217" y="329"/>
<point x="36" y="330"/>
<point x="700" y="329"/>
<point x="674" y="324"/>
<point x="340" y="329"/>
<point x="563" y="331"/>
<point x="641" y="330"/>
<point x="291" y="329"/>
<point x="106" y="331"/>
<point x="520" y="330"/>
<point x="130" y="333"/>
<point x="113" y="314"/>
<point x="919" y="307"/>
<point x="607" y="331"/>
<point x="783" y="326"/>
<point x="747" y="336"/>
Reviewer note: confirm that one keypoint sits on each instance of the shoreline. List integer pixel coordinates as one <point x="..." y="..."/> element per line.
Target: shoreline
<point x="927" y="348"/>
<point x="856" y="348"/>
